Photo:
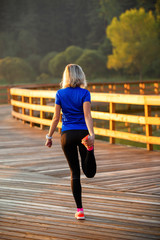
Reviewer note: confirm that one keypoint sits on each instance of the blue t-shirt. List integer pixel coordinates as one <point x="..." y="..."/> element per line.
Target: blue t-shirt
<point x="71" y="101"/>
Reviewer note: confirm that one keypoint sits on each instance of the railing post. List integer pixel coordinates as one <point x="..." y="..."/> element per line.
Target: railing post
<point x="157" y="127"/>
<point x="148" y="127"/>
<point x="127" y="91"/>
<point x="94" y="88"/>
<point x="16" y="109"/>
<point x="31" y="111"/>
<point x="114" y="88"/>
<point x="23" y="109"/>
<point x="156" y="91"/>
<point x="110" y="88"/>
<point x="8" y="95"/>
<point x="127" y="88"/>
<point x="111" y="122"/>
<point x="141" y="88"/>
<point x="42" y="102"/>
<point x="102" y="88"/>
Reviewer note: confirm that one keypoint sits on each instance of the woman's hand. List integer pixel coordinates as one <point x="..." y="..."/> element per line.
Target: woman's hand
<point x="48" y="143"/>
<point x="89" y="142"/>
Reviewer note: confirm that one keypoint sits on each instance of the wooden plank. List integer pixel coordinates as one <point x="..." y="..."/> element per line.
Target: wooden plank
<point x="33" y="93"/>
<point x="111" y="122"/>
<point x="127" y="136"/>
<point x="121" y="202"/>
<point x="35" y="107"/>
<point x="28" y="118"/>
<point x="148" y="127"/>
<point x="126" y="118"/>
<point x="118" y="98"/>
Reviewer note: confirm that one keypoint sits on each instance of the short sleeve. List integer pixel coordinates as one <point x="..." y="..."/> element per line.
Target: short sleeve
<point x="57" y="99"/>
<point x="87" y="97"/>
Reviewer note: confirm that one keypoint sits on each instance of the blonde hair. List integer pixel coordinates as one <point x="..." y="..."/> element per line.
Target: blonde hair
<point x="73" y="76"/>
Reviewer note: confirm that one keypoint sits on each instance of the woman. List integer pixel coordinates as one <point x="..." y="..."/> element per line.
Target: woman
<point x="77" y="128"/>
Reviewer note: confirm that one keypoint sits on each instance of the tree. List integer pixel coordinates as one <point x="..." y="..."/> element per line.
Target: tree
<point x="108" y="9"/>
<point x="8" y="45"/>
<point x="135" y="41"/>
<point x="45" y="61"/>
<point x="27" y="44"/>
<point x="72" y="53"/>
<point x="93" y="63"/>
<point x="16" y="70"/>
<point x="57" y="65"/>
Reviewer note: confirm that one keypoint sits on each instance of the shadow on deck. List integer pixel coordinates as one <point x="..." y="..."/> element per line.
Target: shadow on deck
<point x="121" y="202"/>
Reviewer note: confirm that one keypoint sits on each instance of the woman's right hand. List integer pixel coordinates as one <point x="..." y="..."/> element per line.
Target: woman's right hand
<point x="48" y="143"/>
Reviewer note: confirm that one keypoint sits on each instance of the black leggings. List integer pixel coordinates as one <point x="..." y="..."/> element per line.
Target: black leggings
<point x="71" y="142"/>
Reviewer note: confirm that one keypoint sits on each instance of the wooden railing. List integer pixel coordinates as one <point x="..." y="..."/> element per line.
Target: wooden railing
<point x="37" y="107"/>
<point x="143" y="87"/>
<point x="5" y="90"/>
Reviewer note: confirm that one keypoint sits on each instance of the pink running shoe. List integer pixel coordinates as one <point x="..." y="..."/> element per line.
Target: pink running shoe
<point x="80" y="215"/>
<point x="88" y="148"/>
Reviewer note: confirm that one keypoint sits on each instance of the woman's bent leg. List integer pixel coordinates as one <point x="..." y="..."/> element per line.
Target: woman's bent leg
<point x="88" y="161"/>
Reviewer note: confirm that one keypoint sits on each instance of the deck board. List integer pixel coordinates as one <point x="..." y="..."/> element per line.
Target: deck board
<point x="121" y="202"/>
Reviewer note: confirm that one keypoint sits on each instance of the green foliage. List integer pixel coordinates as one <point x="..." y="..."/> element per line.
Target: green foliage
<point x="93" y="63"/>
<point x="72" y="53"/>
<point x="34" y="61"/>
<point x="146" y="4"/>
<point x="42" y="28"/>
<point x="108" y="9"/>
<point x="16" y="70"/>
<point x="135" y="41"/>
<point x="157" y="7"/>
<point x="57" y="64"/>
<point x="43" y="77"/>
<point x="8" y="46"/>
<point x="27" y="44"/>
<point x="45" y="61"/>
<point x="105" y="47"/>
<point x="96" y="33"/>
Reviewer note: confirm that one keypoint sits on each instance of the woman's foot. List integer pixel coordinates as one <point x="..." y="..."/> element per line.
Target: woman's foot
<point x="85" y="143"/>
<point x="80" y="215"/>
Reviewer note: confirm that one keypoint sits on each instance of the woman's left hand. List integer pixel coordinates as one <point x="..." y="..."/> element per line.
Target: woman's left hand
<point x="48" y="143"/>
<point x="89" y="142"/>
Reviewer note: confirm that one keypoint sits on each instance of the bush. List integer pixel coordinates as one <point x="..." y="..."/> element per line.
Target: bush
<point x="93" y="63"/>
<point x="34" y="61"/>
<point x="45" y="61"/>
<point x="16" y="70"/>
<point x="43" y="77"/>
<point x="8" y="46"/>
<point x="72" y="53"/>
<point x="57" y="64"/>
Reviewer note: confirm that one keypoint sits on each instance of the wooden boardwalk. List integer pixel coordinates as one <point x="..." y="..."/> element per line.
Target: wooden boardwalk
<point x="121" y="202"/>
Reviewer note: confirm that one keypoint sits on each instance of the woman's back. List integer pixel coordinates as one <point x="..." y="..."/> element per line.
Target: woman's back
<point x="71" y="101"/>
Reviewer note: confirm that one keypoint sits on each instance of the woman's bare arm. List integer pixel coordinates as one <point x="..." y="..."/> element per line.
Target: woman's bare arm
<point x="89" y="122"/>
<point x="55" y="121"/>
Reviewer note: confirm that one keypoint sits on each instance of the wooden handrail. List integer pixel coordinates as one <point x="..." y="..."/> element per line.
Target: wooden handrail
<point x="130" y="87"/>
<point x="27" y="103"/>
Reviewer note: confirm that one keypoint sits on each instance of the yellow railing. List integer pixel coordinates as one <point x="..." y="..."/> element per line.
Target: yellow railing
<point x="134" y="87"/>
<point x="33" y="106"/>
